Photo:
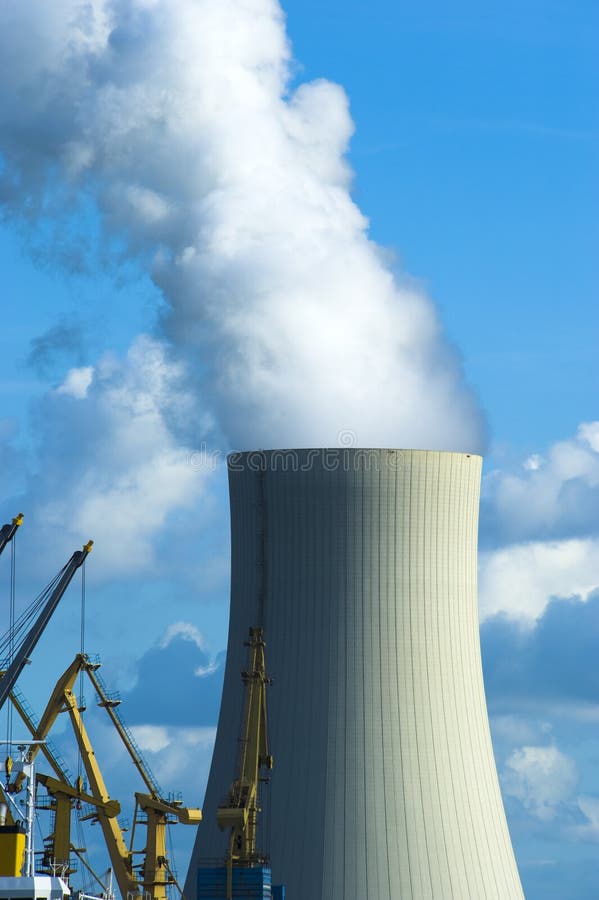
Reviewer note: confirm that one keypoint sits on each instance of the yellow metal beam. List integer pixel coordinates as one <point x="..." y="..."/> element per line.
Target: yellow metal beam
<point x="53" y="708"/>
<point x="110" y="808"/>
<point x="117" y="849"/>
<point x="185" y="815"/>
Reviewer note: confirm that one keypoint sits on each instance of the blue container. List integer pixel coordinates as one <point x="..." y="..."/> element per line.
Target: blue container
<point x="253" y="883"/>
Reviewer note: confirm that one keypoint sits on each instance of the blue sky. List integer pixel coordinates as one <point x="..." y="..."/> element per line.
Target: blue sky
<point x="188" y="263"/>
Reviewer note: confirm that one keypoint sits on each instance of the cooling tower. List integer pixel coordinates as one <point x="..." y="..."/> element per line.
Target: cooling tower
<point x="361" y="567"/>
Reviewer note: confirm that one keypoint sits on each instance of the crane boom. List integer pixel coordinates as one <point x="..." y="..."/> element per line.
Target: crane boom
<point x="8" y="531"/>
<point x="25" y="650"/>
<point x="120" y="857"/>
<point x="123" y="732"/>
<point x="54" y="706"/>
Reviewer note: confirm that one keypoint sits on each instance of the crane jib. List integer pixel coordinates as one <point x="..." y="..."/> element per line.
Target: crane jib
<point x="17" y="665"/>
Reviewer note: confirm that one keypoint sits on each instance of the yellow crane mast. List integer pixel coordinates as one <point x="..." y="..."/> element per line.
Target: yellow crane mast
<point x="240" y="813"/>
<point x="58" y="846"/>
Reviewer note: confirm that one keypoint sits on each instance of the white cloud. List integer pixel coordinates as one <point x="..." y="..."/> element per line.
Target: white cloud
<point x="77" y="382"/>
<point x="542" y="778"/>
<point x="179" y="119"/>
<point x="533" y="462"/>
<point x="112" y="469"/>
<point x="190" y="633"/>
<point x="151" y="737"/>
<point x="203" y="671"/>
<point x="521" y="579"/>
<point x="554" y="496"/>
<point x="515" y="729"/>
<point x="179" y="757"/>
<point x="155" y="738"/>
<point x="589" y="807"/>
<point x="546" y="522"/>
<point x="185" y="630"/>
<point x="146" y="203"/>
<point x="589" y="432"/>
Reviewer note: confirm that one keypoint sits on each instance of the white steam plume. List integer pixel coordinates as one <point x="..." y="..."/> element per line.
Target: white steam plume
<point x="178" y="119"/>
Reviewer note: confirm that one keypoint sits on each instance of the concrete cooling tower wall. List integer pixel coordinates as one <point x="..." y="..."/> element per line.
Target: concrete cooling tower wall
<point x="361" y="566"/>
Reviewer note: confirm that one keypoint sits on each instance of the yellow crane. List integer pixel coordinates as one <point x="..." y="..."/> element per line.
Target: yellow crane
<point x="159" y="812"/>
<point x="63" y="699"/>
<point x="240" y="813"/>
<point x="156" y="873"/>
